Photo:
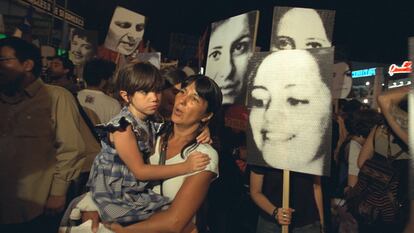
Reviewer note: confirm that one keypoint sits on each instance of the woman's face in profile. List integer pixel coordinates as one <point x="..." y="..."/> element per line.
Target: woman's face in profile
<point x="126" y="30"/>
<point x="290" y="108"/>
<point x="81" y="50"/>
<point x="342" y="81"/>
<point x="229" y="50"/>
<point x="300" y="28"/>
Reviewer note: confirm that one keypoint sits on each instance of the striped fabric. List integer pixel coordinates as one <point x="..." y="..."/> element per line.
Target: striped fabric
<point x="118" y="194"/>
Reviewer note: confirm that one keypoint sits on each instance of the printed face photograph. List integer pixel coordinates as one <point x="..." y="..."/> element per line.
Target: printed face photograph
<point x="82" y="46"/>
<point x="153" y="58"/>
<point x="341" y="81"/>
<point x="125" y="31"/>
<point x="290" y="106"/>
<point x="231" y="45"/>
<point x="301" y="28"/>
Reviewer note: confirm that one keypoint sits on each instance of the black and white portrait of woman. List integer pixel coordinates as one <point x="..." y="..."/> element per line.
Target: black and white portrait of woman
<point x="125" y="31"/>
<point x="341" y="81"/>
<point x="290" y="107"/>
<point x="83" y="45"/>
<point x="232" y="42"/>
<point x="301" y="28"/>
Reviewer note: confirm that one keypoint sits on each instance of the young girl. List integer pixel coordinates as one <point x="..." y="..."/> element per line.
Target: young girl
<point x="119" y="175"/>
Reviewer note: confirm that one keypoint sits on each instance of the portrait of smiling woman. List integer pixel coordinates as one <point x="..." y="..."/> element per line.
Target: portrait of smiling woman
<point x="82" y="45"/>
<point x="290" y="100"/>
<point x="125" y="31"/>
<point x="301" y="28"/>
<point x="232" y="43"/>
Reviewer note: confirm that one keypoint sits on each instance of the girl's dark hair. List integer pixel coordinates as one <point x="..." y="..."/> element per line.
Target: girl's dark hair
<point x="208" y="90"/>
<point x="139" y="77"/>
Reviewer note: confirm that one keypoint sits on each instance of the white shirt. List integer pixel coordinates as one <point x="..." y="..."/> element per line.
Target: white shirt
<point x="171" y="186"/>
<point x="103" y="105"/>
<point x="354" y="149"/>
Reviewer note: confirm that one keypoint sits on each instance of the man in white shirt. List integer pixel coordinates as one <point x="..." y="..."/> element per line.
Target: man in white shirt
<point x="96" y="73"/>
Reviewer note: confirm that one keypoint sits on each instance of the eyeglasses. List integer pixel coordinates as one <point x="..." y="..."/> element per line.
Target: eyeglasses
<point x="7" y="58"/>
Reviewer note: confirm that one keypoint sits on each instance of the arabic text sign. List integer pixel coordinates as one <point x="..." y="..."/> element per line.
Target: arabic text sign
<point x="363" y="73"/>
<point x="57" y="11"/>
<point x="403" y="69"/>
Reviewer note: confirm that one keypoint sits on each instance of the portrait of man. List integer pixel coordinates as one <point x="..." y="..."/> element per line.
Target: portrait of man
<point x="232" y="42"/>
<point x="125" y="31"/>
<point x="290" y="106"/>
<point x="83" y="45"/>
<point x="301" y="28"/>
<point x="341" y="81"/>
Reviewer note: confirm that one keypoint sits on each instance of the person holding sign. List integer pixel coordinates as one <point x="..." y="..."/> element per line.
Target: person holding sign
<point x="289" y="119"/>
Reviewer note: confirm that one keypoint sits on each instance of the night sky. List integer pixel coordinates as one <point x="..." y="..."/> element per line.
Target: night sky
<point x="365" y="30"/>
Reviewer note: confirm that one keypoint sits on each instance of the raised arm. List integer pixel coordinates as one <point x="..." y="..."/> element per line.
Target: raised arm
<point x="388" y="102"/>
<point x="367" y="150"/>
<point x="177" y="218"/>
<point x="127" y="148"/>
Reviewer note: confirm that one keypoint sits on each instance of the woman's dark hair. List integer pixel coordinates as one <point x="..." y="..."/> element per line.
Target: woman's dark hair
<point x="324" y="15"/>
<point x="208" y="90"/>
<point x="139" y="77"/>
<point x="251" y="18"/>
<point x="361" y="122"/>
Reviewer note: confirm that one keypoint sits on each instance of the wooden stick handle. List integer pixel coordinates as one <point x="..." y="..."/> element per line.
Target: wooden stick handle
<point x="286" y="188"/>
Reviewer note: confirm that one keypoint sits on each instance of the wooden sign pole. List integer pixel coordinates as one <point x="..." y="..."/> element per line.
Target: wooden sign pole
<point x="285" y="202"/>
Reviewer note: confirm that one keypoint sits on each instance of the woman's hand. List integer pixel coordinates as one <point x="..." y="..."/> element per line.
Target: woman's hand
<point x="197" y="161"/>
<point x="284" y="215"/>
<point x="204" y="137"/>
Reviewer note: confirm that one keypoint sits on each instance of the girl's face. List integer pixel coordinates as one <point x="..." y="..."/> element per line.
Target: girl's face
<point x="229" y="51"/>
<point x="143" y="104"/>
<point x="290" y="109"/>
<point x="125" y="31"/>
<point x="189" y="108"/>
<point x="300" y="28"/>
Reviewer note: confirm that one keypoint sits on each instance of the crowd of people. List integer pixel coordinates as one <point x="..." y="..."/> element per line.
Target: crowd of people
<point x="139" y="149"/>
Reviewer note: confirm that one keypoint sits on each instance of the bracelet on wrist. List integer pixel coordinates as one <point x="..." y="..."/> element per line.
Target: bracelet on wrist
<point x="274" y="213"/>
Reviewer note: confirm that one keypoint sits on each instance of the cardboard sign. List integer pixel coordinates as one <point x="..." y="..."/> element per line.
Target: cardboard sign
<point x="232" y="42"/>
<point x="125" y="31"/>
<point x="290" y="110"/>
<point x="301" y="28"/>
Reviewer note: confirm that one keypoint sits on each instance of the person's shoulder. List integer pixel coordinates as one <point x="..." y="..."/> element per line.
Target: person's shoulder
<point x="207" y="149"/>
<point x="58" y="92"/>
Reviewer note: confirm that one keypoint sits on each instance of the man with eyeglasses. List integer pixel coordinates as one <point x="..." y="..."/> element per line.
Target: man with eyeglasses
<point x="41" y="145"/>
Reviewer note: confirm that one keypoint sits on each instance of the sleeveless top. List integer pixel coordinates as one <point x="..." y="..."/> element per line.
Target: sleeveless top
<point x="115" y="190"/>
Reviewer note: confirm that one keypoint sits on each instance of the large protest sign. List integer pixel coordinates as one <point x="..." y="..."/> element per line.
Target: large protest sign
<point x="125" y="31"/>
<point x="301" y="28"/>
<point x="83" y="45"/>
<point x="290" y="110"/>
<point x="232" y="42"/>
